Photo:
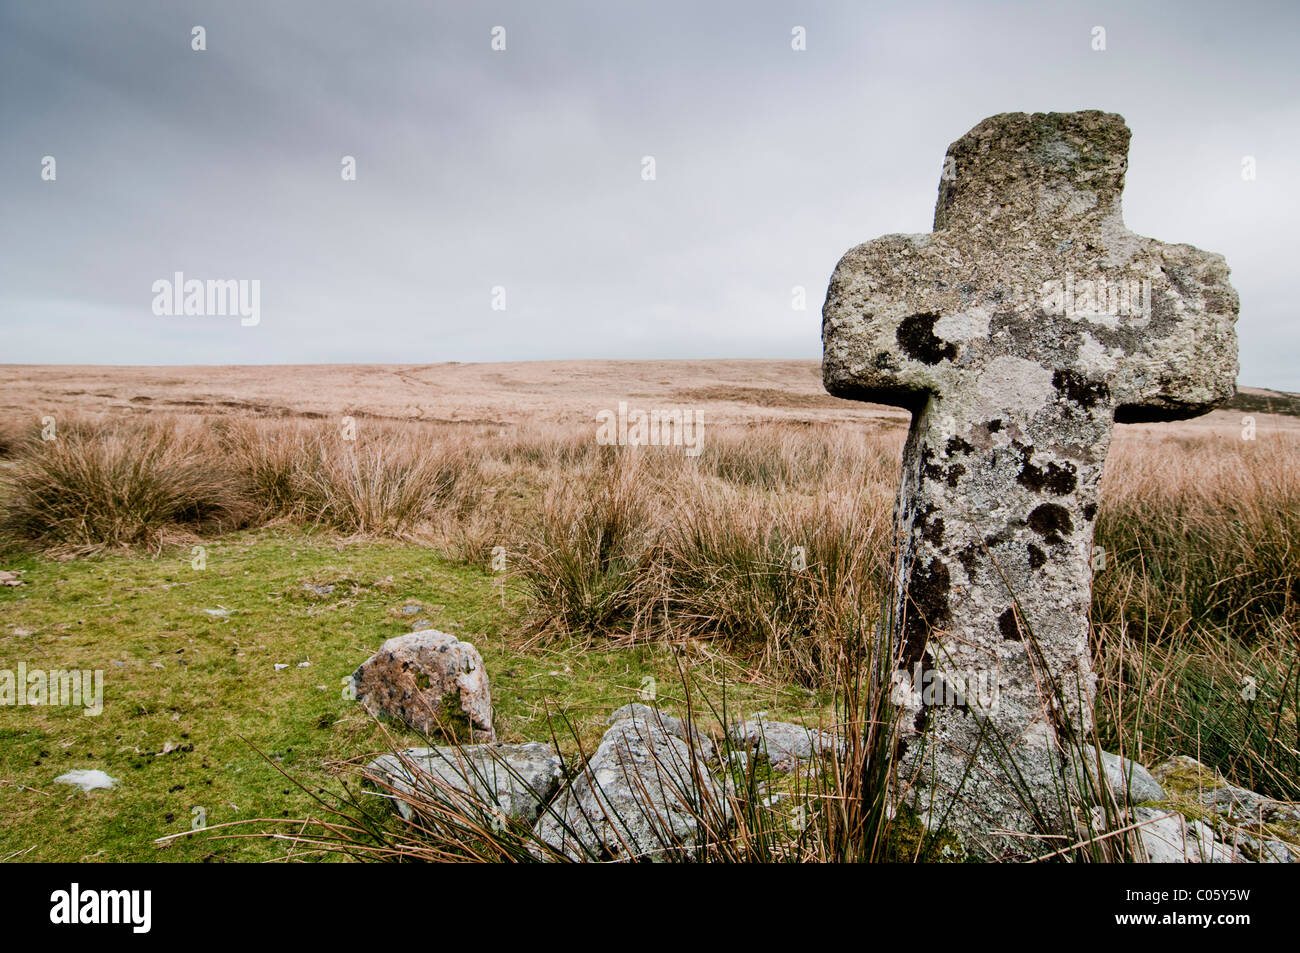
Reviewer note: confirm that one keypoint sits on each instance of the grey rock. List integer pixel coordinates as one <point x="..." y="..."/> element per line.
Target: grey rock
<point x="1240" y="805"/>
<point x="1276" y="852"/>
<point x="318" y="590"/>
<point x="1128" y="781"/>
<point x="517" y="780"/>
<point x="639" y="797"/>
<point x="738" y="760"/>
<point x="674" y="726"/>
<point x="1249" y="821"/>
<point x="1251" y="849"/>
<point x="430" y="681"/>
<point x="1016" y="333"/>
<point x="1189" y="769"/>
<point x="1232" y="803"/>
<point x="419" y="625"/>
<point x="1243" y="843"/>
<point x="787" y="746"/>
<point x="410" y="610"/>
<point x="1169" y="839"/>
<point x="87" y="780"/>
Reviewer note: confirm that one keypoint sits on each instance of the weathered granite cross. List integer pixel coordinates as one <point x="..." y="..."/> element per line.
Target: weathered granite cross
<point x="1016" y="332"/>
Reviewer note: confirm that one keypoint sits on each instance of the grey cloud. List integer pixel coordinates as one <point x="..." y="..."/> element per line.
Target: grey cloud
<point x="522" y="169"/>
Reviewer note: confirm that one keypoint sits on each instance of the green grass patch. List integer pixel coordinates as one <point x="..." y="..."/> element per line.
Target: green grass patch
<point x="195" y="685"/>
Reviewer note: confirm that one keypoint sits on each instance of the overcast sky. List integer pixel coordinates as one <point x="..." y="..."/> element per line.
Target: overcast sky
<point x="522" y="169"/>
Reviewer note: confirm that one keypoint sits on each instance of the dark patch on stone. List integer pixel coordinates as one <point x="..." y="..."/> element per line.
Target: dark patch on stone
<point x="1051" y="521"/>
<point x="926" y="665"/>
<point x="927" y="607"/>
<point x="885" y="362"/>
<point x="1180" y="278"/>
<point x="1089" y="511"/>
<point x="1009" y="626"/>
<point x="994" y="426"/>
<point x="996" y="539"/>
<point x="1023" y="338"/>
<point x="960" y="702"/>
<point x="969" y="558"/>
<point x="1037" y="558"/>
<point x="1216" y="303"/>
<point x="930" y="526"/>
<point x="1055" y="478"/>
<point x="1168" y="409"/>
<point x="1080" y="390"/>
<point x="932" y="471"/>
<point x="917" y="339"/>
<point x="1024" y="450"/>
<point x="955" y="473"/>
<point x="958" y="445"/>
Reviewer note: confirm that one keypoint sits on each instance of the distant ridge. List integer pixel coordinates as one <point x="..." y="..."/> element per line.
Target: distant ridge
<point x="1256" y="400"/>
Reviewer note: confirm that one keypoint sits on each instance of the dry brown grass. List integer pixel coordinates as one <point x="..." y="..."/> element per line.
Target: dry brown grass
<point x="1201" y="530"/>
<point x="1195" y="618"/>
<point x="96" y="484"/>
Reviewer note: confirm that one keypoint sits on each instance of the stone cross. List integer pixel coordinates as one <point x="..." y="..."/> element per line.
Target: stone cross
<point x="1015" y="332"/>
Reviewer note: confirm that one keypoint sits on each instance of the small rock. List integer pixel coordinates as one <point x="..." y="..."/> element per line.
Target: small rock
<point x="1183" y="772"/>
<point x="319" y="590"/>
<point x="1275" y="852"/>
<point x="517" y="779"/>
<point x="432" y="682"/>
<point x="739" y="760"/>
<point x="421" y="625"/>
<point x="674" y="726"/>
<point x="1123" y="776"/>
<point x="87" y="780"/>
<point x="1238" y="804"/>
<point x="639" y="797"/>
<point x="221" y="613"/>
<point x="1169" y="839"/>
<point x="280" y="665"/>
<point x="1191" y="778"/>
<point x="786" y="745"/>
<point x="10" y="577"/>
<point x="409" y="610"/>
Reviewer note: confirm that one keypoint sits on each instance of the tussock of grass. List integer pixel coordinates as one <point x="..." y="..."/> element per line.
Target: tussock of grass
<point x="114" y="487"/>
<point x="585" y="562"/>
<point x="1203" y="532"/>
<point x="777" y="581"/>
<point x="384" y="486"/>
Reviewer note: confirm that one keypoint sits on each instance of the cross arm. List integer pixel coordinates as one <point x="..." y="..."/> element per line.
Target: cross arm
<point x="1182" y="361"/>
<point x="878" y="323"/>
